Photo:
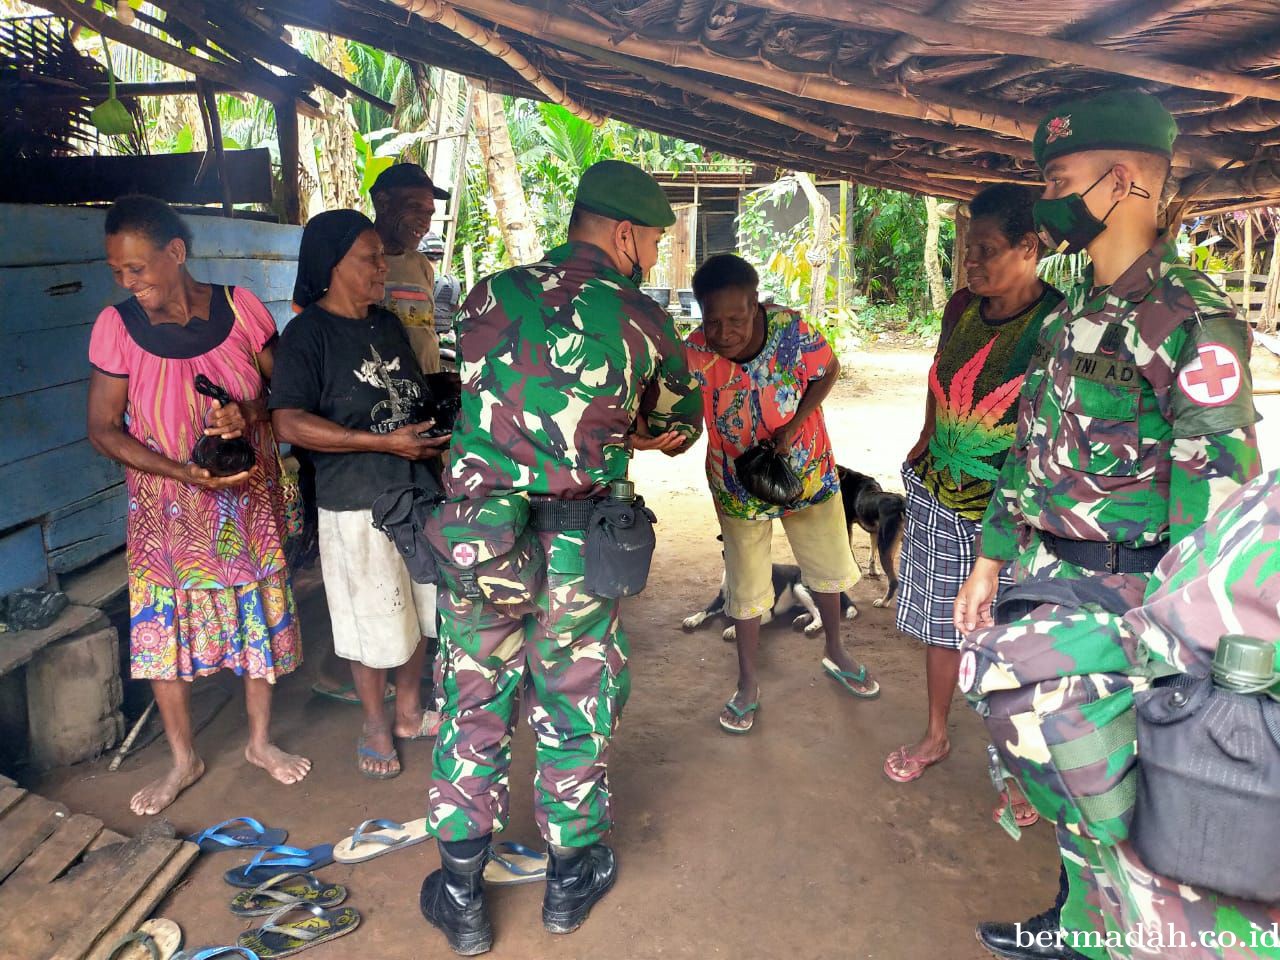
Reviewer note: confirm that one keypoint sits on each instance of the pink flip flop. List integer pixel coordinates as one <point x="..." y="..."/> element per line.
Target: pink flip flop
<point x="916" y="766"/>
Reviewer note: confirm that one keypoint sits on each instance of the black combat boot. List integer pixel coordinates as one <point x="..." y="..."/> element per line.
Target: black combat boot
<point x="452" y="900"/>
<point x="575" y="881"/>
<point x="1039" y="938"/>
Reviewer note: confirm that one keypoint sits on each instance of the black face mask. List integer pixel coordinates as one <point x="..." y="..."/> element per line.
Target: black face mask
<point x="1065" y="223"/>
<point x="637" y="275"/>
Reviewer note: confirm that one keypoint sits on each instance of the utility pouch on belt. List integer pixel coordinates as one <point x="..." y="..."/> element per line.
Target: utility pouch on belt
<point x="402" y="513"/>
<point x="620" y="542"/>
<point x="488" y="551"/>
<point x="1061" y="715"/>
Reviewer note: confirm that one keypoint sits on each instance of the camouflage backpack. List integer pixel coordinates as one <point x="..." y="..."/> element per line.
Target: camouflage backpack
<point x="1056" y="692"/>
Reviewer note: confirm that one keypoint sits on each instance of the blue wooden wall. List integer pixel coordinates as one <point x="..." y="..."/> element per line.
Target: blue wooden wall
<point x="61" y="503"/>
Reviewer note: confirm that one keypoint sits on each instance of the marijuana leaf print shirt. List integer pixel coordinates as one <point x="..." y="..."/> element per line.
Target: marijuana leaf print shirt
<point x="975" y="381"/>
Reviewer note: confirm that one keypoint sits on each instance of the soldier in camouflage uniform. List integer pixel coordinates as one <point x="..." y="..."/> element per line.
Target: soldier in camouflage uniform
<point x="1136" y="417"/>
<point x="567" y="367"/>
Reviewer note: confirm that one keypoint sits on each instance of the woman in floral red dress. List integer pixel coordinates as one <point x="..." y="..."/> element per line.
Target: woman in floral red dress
<point x="208" y="585"/>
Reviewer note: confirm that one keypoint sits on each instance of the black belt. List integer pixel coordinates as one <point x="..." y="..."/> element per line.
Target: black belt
<point x="1105" y="557"/>
<point x="550" y="515"/>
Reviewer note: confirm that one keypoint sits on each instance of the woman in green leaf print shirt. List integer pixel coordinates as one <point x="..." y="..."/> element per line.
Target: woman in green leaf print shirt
<point x="989" y="331"/>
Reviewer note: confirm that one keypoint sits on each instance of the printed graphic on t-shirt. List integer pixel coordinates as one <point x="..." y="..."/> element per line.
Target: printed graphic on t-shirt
<point x="413" y="304"/>
<point x="403" y="396"/>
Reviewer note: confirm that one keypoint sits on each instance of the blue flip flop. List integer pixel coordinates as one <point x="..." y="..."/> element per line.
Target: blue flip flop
<point x="208" y="953"/>
<point x="236" y="833"/>
<point x="276" y="860"/>
<point x="511" y="862"/>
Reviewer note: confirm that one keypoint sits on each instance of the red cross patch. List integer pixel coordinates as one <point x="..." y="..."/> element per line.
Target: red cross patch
<point x="968" y="671"/>
<point x="465" y="555"/>
<point x="1213" y="378"/>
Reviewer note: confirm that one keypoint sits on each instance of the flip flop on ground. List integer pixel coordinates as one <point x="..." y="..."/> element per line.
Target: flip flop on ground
<point x="901" y="767"/>
<point x="740" y="719"/>
<point x="847" y="678"/>
<point x="266" y="898"/>
<point x="271" y="863"/>
<point x="512" y="863"/>
<point x="313" y="926"/>
<point x="154" y="940"/>
<point x="240" y="832"/>
<point x="346" y="693"/>
<point x="209" y="953"/>
<point x="366" y="752"/>
<point x="373" y="838"/>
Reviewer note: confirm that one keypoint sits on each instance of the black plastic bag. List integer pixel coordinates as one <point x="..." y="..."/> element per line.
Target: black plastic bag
<point x="444" y="403"/>
<point x="768" y="476"/>
<point x="222" y="458"/>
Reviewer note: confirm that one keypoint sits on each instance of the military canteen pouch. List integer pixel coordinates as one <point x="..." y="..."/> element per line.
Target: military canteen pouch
<point x="221" y="457"/>
<point x="487" y="550"/>
<point x="402" y="513"/>
<point x="1064" y="724"/>
<point x="1209" y="790"/>
<point x="619" y="546"/>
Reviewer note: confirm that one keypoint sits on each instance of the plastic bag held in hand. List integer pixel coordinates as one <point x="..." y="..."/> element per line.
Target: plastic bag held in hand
<point x="767" y="475"/>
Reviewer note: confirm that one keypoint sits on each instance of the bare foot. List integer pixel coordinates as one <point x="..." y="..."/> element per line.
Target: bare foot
<point x="285" y="767"/>
<point x="158" y="794"/>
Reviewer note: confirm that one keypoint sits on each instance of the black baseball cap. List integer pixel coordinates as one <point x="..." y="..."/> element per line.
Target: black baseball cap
<point x="406" y="175"/>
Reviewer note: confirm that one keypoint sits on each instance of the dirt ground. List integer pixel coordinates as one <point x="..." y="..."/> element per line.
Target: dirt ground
<point x="789" y="842"/>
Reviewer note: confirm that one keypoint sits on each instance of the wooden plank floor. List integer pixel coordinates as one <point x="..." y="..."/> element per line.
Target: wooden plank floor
<point x="70" y="888"/>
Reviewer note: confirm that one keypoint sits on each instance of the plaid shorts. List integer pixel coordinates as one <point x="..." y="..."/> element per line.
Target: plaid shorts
<point x="937" y="557"/>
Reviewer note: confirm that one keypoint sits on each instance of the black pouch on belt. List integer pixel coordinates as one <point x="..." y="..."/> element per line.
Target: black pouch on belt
<point x="619" y="547"/>
<point x="402" y="512"/>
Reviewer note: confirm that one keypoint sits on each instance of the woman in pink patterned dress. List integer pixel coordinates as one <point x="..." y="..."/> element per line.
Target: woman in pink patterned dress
<point x="208" y="585"/>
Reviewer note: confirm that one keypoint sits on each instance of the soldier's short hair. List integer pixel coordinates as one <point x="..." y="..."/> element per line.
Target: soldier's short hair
<point x="722" y="271"/>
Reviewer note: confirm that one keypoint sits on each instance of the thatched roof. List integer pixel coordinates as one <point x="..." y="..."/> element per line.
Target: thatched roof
<point x="937" y="96"/>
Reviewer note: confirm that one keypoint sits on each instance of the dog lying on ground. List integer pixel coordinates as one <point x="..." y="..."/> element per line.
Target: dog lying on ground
<point x="791" y="598"/>
<point x="881" y="515"/>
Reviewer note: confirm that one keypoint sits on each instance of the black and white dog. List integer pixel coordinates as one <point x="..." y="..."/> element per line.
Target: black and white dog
<point x="881" y="515"/>
<point x="791" y="598"/>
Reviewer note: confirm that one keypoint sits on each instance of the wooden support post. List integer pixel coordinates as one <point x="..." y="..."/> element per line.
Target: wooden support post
<point x="959" y="277"/>
<point x="1248" y="264"/>
<point x="287" y="133"/>
<point x="459" y="177"/>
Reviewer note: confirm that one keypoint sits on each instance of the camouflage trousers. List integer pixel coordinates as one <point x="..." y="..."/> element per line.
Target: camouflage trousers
<point x="1117" y="909"/>
<point x="565" y="663"/>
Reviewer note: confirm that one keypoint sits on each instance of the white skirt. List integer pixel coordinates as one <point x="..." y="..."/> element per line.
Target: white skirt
<point x="379" y="614"/>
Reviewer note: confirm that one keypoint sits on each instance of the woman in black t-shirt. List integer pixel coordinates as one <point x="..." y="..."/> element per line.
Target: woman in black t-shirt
<point x="347" y="387"/>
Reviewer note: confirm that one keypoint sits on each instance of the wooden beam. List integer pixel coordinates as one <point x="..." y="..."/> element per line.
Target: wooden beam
<point x="1009" y="119"/>
<point x="1260" y="179"/>
<point x="290" y="167"/>
<point x="956" y="168"/>
<point x="959" y="37"/>
<point x="900" y="49"/>
<point x="682" y="81"/>
<point x="170" y="176"/>
<point x="937" y="133"/>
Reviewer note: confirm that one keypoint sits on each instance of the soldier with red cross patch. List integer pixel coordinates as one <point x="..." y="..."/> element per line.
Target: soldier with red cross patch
<point x="1136" y="418"/>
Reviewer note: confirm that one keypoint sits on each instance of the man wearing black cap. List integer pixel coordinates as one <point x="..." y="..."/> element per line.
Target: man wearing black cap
<point x="1136" y="420"/>
<point x="560" y="360"/>
<point x="404" y="201"/>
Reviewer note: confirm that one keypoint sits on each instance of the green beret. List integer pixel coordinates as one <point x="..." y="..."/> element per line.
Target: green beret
<point x="622" y="191"/>
<point x="1119" y="120"/>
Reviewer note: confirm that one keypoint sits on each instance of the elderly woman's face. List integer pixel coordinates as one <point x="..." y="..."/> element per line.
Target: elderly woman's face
<point x="148" y="272"/>
<point x="992" y="264"/>
<point x="362" y="273"/>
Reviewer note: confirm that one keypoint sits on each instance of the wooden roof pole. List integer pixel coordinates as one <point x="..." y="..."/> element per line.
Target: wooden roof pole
<point x="444" y="14"/>
<point x="901" y="48"/>
<point x="684" y="82"/>
<point x="963" y="38"/>
<point x="1006" y="118"/>
<point x="1112" y="26"/>
<point x="919" y="129"/>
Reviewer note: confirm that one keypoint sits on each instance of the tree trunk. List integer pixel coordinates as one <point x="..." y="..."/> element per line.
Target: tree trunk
<point x="510" y="206"/>
<point x="959" y="278"/>
<point x="932" y="265"/>
<point x="819" y="255"/>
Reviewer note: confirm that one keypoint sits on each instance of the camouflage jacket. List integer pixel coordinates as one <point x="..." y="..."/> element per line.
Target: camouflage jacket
<point x="558" y="360"/>
<point x="1136" y="414"/>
